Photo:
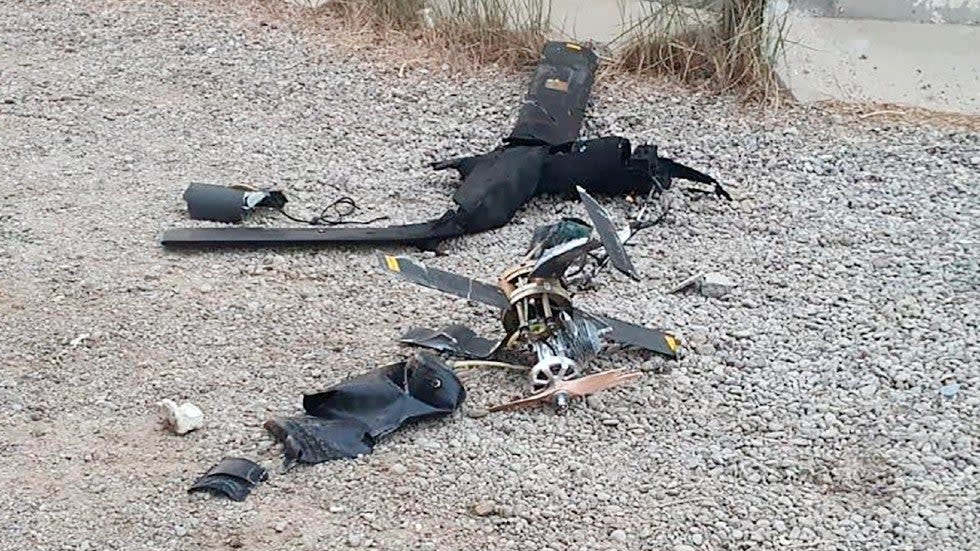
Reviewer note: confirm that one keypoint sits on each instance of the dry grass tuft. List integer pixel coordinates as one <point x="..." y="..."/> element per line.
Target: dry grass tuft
<point x="506" y="32"/>
<point x="727" y="46"/>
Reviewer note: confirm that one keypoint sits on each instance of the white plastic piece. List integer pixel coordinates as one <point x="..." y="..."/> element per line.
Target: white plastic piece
<point x="716" y="285"/>
<point x="180" y="419"/>
<point x="711" y="284"/>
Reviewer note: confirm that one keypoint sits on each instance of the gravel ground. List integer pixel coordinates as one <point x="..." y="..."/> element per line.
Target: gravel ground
<point x="830" y="402"/>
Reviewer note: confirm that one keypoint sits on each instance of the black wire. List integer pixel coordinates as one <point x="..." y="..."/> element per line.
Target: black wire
<point x="334" y="214"/>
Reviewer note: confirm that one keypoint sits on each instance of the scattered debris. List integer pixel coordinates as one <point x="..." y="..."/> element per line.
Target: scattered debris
<point x="345" y="420"/>
<point x="484" y="508"/>
<point x="950" y="390"/>
<point x="180" y="419"/>
<point x="233" y="477"/>
<point x="458" y="339"/>
<point x="541" y="156"/>
<point x="232" y="204"/>
<point x="79" y="340"/>
<point x="228" y="203"/>
<point x="538" y="314"/>
<point x="710" y="284"/>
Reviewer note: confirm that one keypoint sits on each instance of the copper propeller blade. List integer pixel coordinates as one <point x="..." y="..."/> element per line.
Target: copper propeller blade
<point x="576" y="388"/>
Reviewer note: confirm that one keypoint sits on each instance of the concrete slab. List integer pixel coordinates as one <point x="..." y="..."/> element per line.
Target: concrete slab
<point x="964" y="12"/>
<point x="917" y="64"/>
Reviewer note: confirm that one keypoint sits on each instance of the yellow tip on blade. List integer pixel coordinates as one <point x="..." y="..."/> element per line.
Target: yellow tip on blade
<point x="672" y="343"/>
<point x="392" y="263"/>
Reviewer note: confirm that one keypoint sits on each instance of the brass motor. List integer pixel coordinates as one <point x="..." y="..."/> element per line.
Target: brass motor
<point x="541" y="316"/>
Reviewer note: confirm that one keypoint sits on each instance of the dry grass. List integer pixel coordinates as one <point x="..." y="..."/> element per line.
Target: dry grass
<point x="727" y="46"/>
<point x="506" y="32"/>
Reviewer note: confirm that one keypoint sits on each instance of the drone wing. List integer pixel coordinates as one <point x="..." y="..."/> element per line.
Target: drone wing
<point x="631" y="334"/>
<point x="607" y="234"/>
<point x="444" y="281"/>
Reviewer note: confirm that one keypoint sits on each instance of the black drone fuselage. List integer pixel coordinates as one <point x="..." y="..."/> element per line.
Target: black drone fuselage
<point x="541" y="156"/>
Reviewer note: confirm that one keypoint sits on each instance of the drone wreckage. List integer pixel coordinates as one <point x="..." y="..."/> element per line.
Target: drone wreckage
<point x="541" y="156"/>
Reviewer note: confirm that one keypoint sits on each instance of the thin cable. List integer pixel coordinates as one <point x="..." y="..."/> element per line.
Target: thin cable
<point x="334" y="214"/>
<point x="463" y="364"/>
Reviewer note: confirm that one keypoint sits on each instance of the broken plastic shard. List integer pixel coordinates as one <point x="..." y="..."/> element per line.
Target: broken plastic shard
<point x="233" y="477"/>
<point x="554" y="261"/>
<point x="458" y="339"/>
<point x="607" y="234"/>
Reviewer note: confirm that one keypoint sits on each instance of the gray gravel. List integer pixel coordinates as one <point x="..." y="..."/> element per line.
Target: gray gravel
<point x="806" y="414"/>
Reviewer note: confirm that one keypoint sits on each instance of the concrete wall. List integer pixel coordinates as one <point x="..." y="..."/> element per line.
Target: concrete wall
<point x="918" y="11"/>
<point x="883" y="51"/>
<point x="922" y="53"/>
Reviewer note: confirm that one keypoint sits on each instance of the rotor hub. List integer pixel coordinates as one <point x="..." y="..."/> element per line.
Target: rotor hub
<point x="552" y="370"/>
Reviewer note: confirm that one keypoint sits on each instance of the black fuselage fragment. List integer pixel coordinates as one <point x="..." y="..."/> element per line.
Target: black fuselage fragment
<point x="232" y="477"/>
<point x="540" y="156"/>
<point x="345" y="420"/>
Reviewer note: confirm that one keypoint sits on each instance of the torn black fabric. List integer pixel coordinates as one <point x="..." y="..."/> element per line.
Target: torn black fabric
<point x="498" y="185"/>
<point x="345" y="420"/>
<point x="232" y="477"/>
<point x="308" y="439"/>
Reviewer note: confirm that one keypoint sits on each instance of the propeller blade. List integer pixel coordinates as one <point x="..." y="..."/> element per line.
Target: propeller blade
<point x="444" y="281"/>
<point x="607" y="234"/>
<point x="576" y="388"/>
<point x="631" y="334"/>
<point x="590" y="384"/>
<point x="542" y="396"/>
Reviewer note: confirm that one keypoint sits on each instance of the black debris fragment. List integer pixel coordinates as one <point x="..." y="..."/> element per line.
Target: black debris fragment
<point x="228" y="204"/>
<point x="458" y="339"/>
<point x="345" y="420"/>
<point x="233" y="477"/>
<point x="308" y="439"/>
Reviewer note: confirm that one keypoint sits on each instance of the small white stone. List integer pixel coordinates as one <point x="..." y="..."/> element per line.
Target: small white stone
<point x="77" y="341"/>
<point x="939" y="521"/>
<point x="715" y="285"/>
<point x="181" y="419"/>
<point x="618" y="535"/>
